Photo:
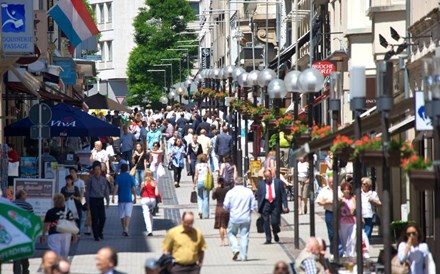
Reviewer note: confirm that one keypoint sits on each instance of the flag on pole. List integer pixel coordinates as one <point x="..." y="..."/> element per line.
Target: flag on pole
<point x="74" y="20"/>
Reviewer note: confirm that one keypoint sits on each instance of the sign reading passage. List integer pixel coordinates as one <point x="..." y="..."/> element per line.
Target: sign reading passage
<point x="17" y="26"/>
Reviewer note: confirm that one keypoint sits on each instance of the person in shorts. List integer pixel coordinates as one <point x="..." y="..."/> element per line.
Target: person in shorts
<point x="125" y="186"/>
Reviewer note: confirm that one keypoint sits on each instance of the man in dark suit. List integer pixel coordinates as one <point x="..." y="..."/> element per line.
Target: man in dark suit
<point x="223" y="144"/>
<point x="272" y="200"/>
<point x="107" y="260"/>
<point x="203" y="125"/>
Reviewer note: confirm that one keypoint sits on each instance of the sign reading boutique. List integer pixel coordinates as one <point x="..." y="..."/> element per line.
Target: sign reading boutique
<point x="17" y="26"/>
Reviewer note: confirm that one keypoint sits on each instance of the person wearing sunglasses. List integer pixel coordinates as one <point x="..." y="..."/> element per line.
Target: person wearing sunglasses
<point x="412" y="250"/>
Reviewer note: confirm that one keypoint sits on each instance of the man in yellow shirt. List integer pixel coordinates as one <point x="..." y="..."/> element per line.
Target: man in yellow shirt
<point x="187" y="245"/>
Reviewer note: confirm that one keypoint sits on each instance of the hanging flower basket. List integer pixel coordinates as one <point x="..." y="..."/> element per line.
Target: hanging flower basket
<point x="394" y="158"/>
<point x="371" y="157"/>
<point x="344" y="153"/>
<point x="422" y="179"/>
<point x="302" y="138"/>
<point x="271" y="124"/>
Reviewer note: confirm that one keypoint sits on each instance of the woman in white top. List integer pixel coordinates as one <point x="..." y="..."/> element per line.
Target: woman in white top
<point x="202" y="169"/>
<point x="411" y="250"/>
<point x="99" y="154"/>
<point x="369" y="200"/>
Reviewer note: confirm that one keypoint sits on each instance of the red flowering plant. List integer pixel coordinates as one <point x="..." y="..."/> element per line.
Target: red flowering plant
<point x="207" y="92"/>
<point x="367" y="143"/>
<point x="415" y="162"/>
<point x="236" y="103"/>
<point x="406" y="148"/>
<point x="220" y="95"/>
<point x="257" y="111"/>
<point x="341" y="142"/>
<point x="197" y="95"/>
<point x="297" y="126"/>
<point x="320" y="131"/>
<point x="268" y="116"/>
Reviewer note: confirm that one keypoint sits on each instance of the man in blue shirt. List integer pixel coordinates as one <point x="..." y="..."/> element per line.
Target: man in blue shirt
<point x="239" y="201"/>
<point x="127" y="143"/>
<point x="125" y="186"/>
<point x="153" y="136"/>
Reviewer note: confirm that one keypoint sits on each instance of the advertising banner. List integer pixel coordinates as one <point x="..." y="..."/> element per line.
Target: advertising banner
<point x="17" y="26"/>
<point x="206" y="58"/>
<point x="39" y="193"/>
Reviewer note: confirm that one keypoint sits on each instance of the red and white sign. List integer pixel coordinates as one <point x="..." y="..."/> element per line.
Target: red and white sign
<point x="325" y="67"/>
<point x="120" y="99"/>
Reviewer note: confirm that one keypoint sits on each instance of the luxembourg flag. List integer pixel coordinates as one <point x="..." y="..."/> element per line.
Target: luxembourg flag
<point x="74" y="20"/>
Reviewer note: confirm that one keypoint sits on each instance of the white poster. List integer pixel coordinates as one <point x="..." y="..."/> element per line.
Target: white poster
<point x="423" y="122"/>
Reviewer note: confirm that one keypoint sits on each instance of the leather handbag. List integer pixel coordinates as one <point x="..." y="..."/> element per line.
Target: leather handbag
<point x="375" y="219"/>
<point x="66" y="226"/>
<point x="193" y="198"/>
<point x="133" y="171"/>
<point x="397" y="267"/>
<point x="260" y="225"/>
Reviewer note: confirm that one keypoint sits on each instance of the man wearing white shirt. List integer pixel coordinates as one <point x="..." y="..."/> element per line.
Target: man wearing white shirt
<point x="325" y="199"/>
<point x="303" y="172"/>
<point x="239" y="201"/>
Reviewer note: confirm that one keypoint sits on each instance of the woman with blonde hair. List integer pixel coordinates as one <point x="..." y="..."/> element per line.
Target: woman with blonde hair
<point x="370" y="200"/>
<point x="202" y="170"/>
<point x="101" y="155"/>
<point x="149" y="192"/>
<point x="57" y="242"/>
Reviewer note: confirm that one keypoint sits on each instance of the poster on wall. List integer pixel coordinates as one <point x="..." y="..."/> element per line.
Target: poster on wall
<point x="39" y="192"/>
<point x="28" y="167"/>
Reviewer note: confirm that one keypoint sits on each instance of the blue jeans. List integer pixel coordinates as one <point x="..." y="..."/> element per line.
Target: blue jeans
<point x="368" y="227"/>
<point x="139" y="178"/>
<point x="127" y="155"/>
<point x="244" y="238"/>
<point x="203" y="199"/>
<point x="329" y="223"/>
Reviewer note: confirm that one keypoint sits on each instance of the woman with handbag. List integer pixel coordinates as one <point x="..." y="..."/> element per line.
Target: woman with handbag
<point x="177" y="155"/>
<point x="370" y="200"/>
<point x="156" y="161"/>
<point x="149" y="192"/>
<point x="412" y="251"/>
<point x="202" y="171"/>
<point x="139" y="161"/>
<point x="194" y="150"/>
<point x="58" y="242"/>
<point x="72" y="197"/>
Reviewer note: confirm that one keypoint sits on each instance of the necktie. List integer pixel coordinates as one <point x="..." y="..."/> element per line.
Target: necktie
<point x="270" y="199"/>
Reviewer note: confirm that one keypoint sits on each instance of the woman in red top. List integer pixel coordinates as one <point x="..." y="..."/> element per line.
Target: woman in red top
<point x="149" y="192"/>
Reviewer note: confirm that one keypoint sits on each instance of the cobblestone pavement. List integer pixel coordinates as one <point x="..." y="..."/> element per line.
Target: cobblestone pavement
<point x="136" y="248"/>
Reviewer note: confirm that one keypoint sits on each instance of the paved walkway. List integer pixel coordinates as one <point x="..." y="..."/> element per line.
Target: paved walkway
<point x="134" y="250"/>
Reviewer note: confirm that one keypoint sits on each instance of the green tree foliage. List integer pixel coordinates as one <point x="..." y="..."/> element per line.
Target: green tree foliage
<point x="156" y="30"/>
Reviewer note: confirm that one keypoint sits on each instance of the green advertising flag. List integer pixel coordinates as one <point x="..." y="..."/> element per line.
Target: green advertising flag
<point x="18" y="231"/>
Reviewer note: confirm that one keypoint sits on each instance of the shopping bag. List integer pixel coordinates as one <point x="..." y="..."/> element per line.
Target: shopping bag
<point x="260" y="225"/>
<point x="160" y="170"/>
<point x="193" y="198"/>
<point x="209" y="182"/>
<point x="70" y="204"/>
<point x="66" y="226"/>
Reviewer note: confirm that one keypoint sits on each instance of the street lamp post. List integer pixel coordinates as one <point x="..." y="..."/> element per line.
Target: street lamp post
<point x="187" y="57"/>
<point x="264" y="78"/>
<point x="335" y="108"/>
<point x="277" y="91"/>
<point x="171" y="70"/>
<point x="432" y="106"/>
<point x="180" y="92"/>
<point x="172" y="95"/>
<point x="357" y="105"/>
<point x="310" y="81"/>
<point x="180" y="65"/>
<point x="291" y="82"/>
<point x="243" y="82"/>
<point x="384" y="105"/>
<point x="253" y="83"/>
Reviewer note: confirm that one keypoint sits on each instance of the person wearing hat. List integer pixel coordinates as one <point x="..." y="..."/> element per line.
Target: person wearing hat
<point x="152" y="266"/>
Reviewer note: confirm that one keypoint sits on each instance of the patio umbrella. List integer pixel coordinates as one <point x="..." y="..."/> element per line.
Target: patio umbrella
<point x="18" y="231"/>
<point x="67" y="121"/>
<point x="99" y="101"/>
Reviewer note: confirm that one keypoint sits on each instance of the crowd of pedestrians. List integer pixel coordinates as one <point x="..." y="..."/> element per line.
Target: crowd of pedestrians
<point x="132" y="167"/>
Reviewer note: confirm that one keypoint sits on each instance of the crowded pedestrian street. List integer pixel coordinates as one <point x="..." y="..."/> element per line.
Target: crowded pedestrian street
<point x="134" y="250"/>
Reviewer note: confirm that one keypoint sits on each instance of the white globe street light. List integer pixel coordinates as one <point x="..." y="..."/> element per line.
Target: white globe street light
<point x="277" y="89"/>
<point x="265" y="76"/>
<point x="243" y="80"/>
<point x="291" y="80"/>
<point x="253" y="77"/>
<point x="163" y="99"/>
<point x="310" y="80"/>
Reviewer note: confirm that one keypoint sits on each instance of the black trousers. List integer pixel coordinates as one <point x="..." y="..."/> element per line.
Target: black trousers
<point x="97" y="210"/>
<point x="177" y="173"/>
<point x="185" y="269"/>
<point x="271" y="217"/>
<point x="21" y="266"/>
